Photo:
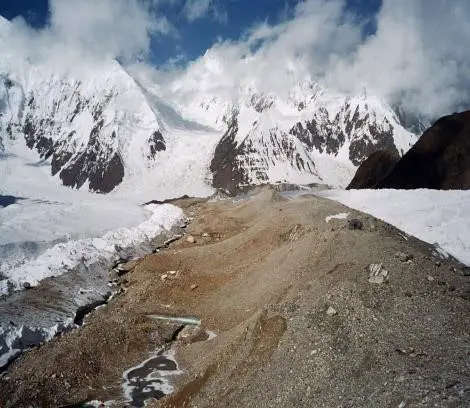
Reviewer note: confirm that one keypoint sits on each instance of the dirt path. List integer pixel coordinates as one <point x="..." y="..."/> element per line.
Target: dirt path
<point x="298" y="323"/>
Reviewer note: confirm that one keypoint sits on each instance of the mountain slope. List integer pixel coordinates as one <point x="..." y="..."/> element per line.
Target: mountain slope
<point x="92" y="130"/>
<point x="438" y="160"/>
<point x="313" y="135"/>
<point x="100" y="127"/>
<point x="90" y="120"/>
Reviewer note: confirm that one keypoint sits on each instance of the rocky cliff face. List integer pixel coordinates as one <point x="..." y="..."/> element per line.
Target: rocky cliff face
<point x="93" y="130"/>
<point x="97" y="126"/>
<point x="264" y="143"/>
<point x="439" y="160"/>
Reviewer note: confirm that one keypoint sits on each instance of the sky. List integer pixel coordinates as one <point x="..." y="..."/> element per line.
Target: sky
<point x="197" y="24"/>
<point x="409" y="52"/>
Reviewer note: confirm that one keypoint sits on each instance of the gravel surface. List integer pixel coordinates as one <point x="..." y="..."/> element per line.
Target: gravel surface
<point x="306" y="313"/>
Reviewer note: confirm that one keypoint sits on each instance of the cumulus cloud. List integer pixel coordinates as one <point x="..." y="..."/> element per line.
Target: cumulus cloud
<point x="98" y="29"/>
<point x="274" y="57"/>
<point x="196" y="9"/>
<point x="417" y="57"/>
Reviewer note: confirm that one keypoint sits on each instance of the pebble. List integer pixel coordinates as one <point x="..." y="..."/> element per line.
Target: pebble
<point x="205" y="235"/>
<point x="331" y="311"/>
<point x="190" y="239"/>
<point x="26" y="285"/>
<point x="194" y="286"/>
<point x="403" y="257"/>
<point x="431" y="278"/>
<point x="164" y="277"/>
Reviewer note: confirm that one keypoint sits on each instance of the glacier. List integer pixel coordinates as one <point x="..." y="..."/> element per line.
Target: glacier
<point x="84" y="145"/>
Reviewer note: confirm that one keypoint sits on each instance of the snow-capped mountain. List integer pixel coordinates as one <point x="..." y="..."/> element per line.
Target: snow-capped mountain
<point x="93" y="130"/>
<point x="105" y="128"/>
<point x="312" y="135"/>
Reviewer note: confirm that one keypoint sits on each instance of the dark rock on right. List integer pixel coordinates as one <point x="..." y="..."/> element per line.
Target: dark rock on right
<point x="439" y="160"/>
<point x="374" y="169"/>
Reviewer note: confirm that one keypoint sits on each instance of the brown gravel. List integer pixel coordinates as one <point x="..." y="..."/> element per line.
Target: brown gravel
<point x="267" y="270"/>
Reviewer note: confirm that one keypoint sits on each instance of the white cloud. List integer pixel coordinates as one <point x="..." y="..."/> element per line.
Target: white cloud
<point x="273" y="57"/>
<point x="197" y="9"/>
<point x="418" y="57"/>
<point x="91" y="29"/>
<point x="194" y="9"/>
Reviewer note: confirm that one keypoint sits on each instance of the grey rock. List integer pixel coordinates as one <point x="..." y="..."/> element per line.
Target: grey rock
<point x="331" y="311"/>
<point x="377" y="274"/>
<point x="355" y="224"/>
<point x="190" y="239"/>
<point x="403" y="257"/>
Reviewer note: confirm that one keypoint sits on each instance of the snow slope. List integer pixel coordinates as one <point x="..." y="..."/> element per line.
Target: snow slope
<point x="65" y="256"/>
<point x="309" y="134"/>
<point x="93" y="124"/>
<point x="438" y="217"/>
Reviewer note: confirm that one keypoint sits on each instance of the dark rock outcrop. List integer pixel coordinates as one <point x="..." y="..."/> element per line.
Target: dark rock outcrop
<point x="226" y="170"/>
<point x="439" y="160"/>
<point x="365" y="133"/>
<point x="156" y="143"/>
<point x="265" y="152"/>
<point x="374" y="169"/>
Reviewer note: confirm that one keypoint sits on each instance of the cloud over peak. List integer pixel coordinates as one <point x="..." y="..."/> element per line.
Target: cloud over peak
<point x="90" y="29"/>
<point x="417" y="57"/>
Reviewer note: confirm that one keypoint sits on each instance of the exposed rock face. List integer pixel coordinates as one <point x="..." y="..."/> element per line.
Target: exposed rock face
<point x="93" y="131"/>
<point x="439" y="160"/>
<point x="352" y="126"/>
<point x="156" y="143"/>
<point x="267" y="151"/>
<point x="374" y="169"/>
<point x="226" y="170"/>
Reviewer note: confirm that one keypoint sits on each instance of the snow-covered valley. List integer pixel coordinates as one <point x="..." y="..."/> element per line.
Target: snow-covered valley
<point x="441" y="218"/>
<point x="82" y="149"/>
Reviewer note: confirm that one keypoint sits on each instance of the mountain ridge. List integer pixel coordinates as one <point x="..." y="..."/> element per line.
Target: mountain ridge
<point x="108" y="126"/>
